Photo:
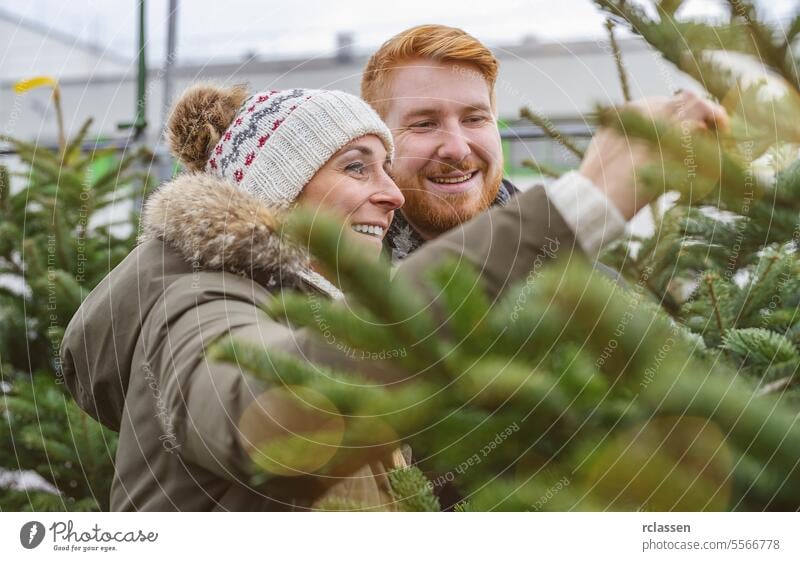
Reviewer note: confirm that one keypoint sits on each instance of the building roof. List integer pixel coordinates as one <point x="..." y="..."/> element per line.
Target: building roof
<point x="31" y="48"/>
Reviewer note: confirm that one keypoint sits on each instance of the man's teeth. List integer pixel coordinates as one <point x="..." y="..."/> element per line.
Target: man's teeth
<point x="376" y="231"/>
<point x="461" y="179"/>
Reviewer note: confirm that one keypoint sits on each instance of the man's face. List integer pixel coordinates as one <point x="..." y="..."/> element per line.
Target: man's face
<point x="449" y="159"/>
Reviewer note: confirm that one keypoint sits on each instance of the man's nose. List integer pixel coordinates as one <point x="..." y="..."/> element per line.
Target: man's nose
<point x="454" y="146"/>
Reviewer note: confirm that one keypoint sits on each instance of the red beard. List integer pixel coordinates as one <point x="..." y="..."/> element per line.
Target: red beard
<point x="435" y="213"/>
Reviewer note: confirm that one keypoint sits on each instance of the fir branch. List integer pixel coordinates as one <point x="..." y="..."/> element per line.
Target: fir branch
<point x="356" y="327"/>
<point x="709" y="280"/>
<point x="623" y="75"/>
<point x="760" y="345"/>
<point x="61" y="239"/>
<point x="756" y="284"/>
<point x="412" y="491"/>
<point x="465" y="303"/>
<point x="551" y="131"/>
<point x="768" y="52"/>
<point x="760" y="426"/>
<point x="543" y="169"/>
<point x="5" y="189"/>
<point x="626" y="94"/>
<point x="73" y="147"/>
<point x="665" y="36"/>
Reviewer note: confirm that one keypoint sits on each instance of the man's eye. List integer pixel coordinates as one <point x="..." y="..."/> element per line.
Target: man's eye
<point x="422" y="125"/>
<point x="476" y="119"/>
<point x="356" y="167"/>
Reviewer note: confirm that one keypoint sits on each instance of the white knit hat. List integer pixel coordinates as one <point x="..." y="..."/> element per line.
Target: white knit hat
<point x="280" y="139"/>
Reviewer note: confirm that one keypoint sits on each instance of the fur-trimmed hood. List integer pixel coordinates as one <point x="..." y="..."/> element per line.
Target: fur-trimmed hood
<point x="218" y="227"/>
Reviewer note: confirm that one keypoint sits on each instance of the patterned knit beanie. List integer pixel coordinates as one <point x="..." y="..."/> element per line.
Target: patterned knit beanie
<point x="271" y="143"/>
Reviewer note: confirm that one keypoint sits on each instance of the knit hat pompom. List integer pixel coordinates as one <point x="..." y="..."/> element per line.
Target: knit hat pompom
<point x="198" y="120"/>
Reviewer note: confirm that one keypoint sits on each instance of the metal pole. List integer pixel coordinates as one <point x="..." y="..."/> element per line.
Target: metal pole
<point x="165" y="165"/>
<point x="169" y="61"/>
<point x="140" y="116"/>
<point x="140" y="123"/>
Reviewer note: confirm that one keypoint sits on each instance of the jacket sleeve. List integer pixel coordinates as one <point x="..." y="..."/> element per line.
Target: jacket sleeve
<point x="588" y="213"/>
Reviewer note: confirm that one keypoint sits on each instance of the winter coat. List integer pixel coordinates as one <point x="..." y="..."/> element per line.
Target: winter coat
<point x="133" y="355"/>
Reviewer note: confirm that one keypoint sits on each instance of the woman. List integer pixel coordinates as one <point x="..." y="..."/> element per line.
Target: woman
<point x="210" y="253"/>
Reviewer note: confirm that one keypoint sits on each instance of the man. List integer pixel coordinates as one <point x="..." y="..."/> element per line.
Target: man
<point x="435" y="88"/>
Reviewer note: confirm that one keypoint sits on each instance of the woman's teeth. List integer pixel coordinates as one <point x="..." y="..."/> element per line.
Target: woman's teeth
<point x="461" y="179"/>
<point x="376" y="231"/>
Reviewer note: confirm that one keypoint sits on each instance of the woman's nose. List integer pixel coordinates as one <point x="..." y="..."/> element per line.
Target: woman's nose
<point x="388" y="194"/>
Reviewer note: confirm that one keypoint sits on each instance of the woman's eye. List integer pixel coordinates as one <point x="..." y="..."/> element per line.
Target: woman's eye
<point x="356" y="167"/>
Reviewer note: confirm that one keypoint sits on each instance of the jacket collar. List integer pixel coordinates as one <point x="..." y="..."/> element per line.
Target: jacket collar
<point x="217" y="226"/>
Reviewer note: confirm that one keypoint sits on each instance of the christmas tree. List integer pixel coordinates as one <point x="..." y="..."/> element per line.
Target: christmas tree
<point x="723" y="258"/>
<point x="55" y="247"/>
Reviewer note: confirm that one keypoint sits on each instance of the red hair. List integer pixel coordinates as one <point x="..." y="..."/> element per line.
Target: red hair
<point x="437" y="42"/>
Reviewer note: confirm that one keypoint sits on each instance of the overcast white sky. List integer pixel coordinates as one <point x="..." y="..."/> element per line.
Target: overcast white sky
<point x="226" y="29"/>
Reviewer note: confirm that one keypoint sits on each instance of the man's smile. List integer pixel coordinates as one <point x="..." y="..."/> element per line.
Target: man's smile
<point x="457" y="182"/>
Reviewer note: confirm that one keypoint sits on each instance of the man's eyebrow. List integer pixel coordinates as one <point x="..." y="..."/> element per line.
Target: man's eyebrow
<point x="430" y="112"/>
<point x="477" y="107"/>
<point x="421" y="112"/>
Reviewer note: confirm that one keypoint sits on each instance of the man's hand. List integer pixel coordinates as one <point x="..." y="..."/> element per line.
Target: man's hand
<point x="612" y="159"/>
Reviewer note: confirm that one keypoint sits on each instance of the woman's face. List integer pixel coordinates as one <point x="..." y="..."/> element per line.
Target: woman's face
<point x="355" y="186"/>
